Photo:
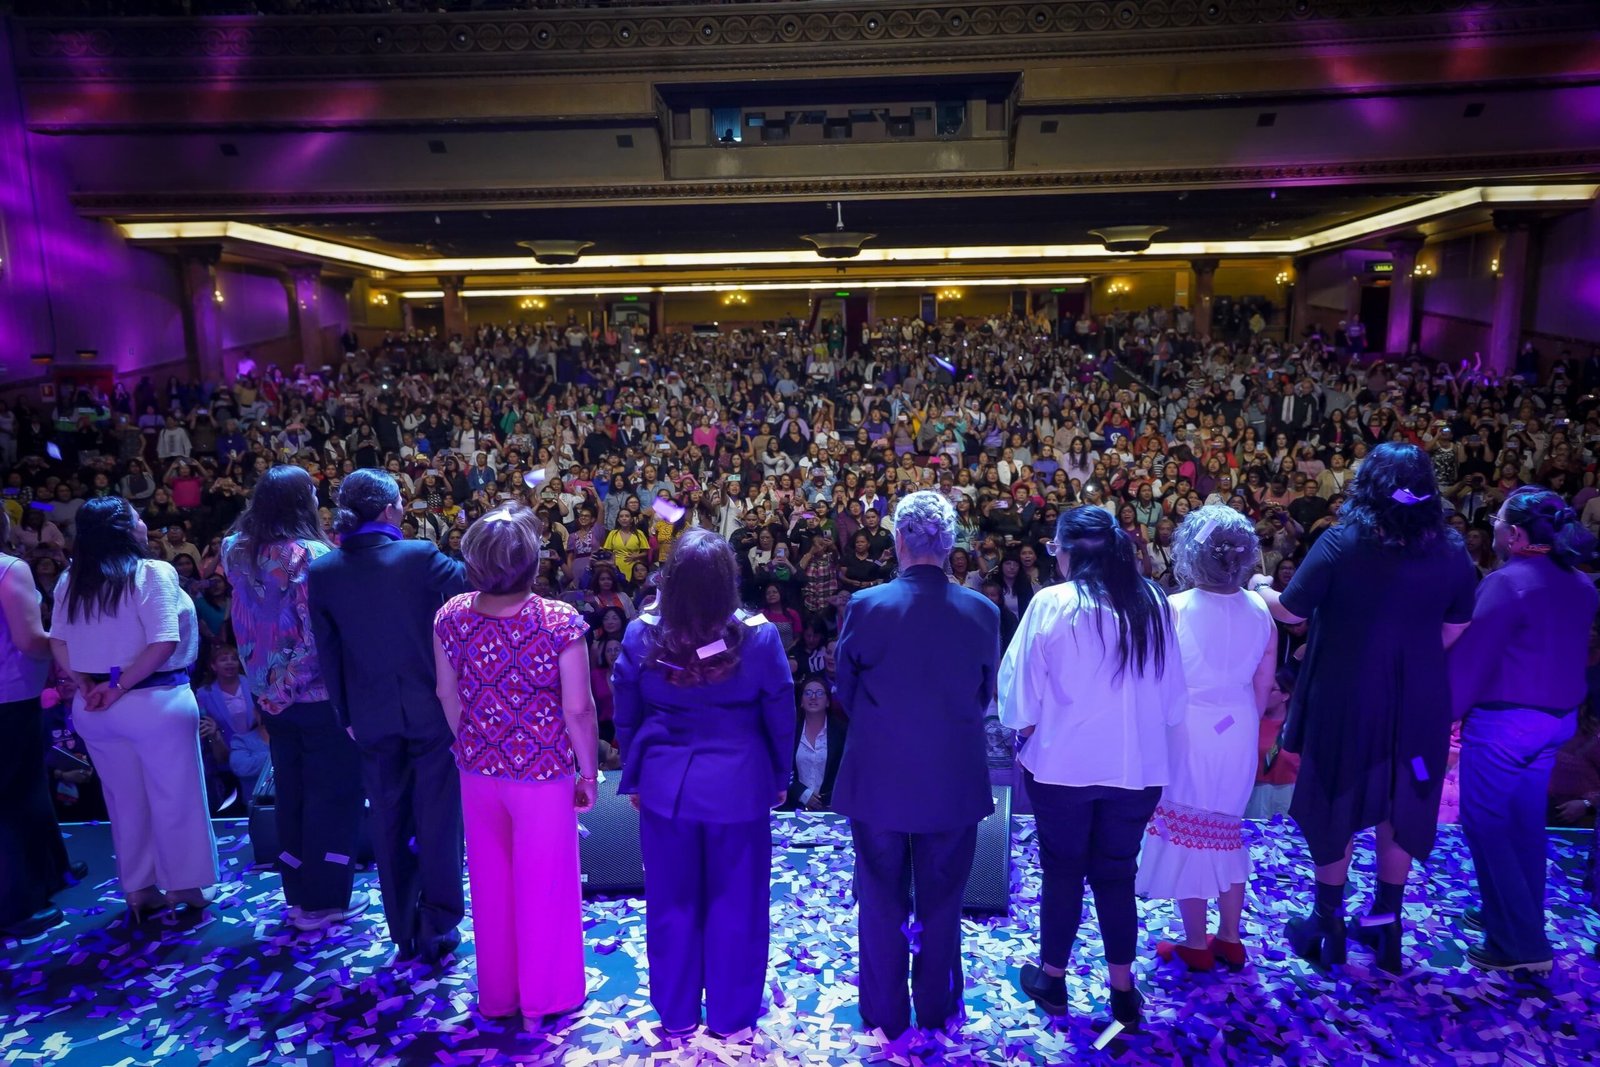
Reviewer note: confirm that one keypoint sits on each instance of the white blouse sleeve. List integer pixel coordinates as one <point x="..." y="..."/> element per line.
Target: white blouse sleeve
<point x="156" y="593"/>
<point x="1024" y="671"/>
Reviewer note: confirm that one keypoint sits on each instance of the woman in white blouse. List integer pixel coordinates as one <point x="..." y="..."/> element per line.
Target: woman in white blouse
<point x="1092" y="679"/>
<point x="125" y="631"/>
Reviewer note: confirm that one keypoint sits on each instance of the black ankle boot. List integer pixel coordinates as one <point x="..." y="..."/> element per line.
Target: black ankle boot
<point x="1127" y="1007"/>
<point x="1319" y="938"/>
<point x="1046" y="990"/>
<point x="1383" y="930"/>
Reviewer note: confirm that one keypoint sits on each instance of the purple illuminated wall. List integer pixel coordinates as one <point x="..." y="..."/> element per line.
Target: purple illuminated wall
<point x="254" y="309"/>
<point x="1567" y="295"/>
<point x="123" y="301"/>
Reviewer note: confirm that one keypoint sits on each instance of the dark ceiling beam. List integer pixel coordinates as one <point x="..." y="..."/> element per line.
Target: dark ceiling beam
<point x="1463" y="170"/>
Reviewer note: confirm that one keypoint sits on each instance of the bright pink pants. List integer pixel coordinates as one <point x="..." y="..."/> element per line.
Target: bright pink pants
<point x="527" y="895"/>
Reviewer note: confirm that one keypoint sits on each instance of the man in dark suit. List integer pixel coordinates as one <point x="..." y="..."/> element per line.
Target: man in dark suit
<point x="917" y="661"/>
<point x="372" y="606"/>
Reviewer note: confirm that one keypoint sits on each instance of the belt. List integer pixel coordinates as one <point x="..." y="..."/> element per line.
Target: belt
<point x="158" y="680"/>
<point x="1505" y="705"/>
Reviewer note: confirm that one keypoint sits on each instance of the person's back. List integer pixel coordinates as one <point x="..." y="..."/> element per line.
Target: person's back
<point x="1221" y="638"/>
<point x="917" y="661"/>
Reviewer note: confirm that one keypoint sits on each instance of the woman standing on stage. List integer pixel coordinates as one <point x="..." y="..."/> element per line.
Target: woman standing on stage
<point x="705" y="722"/>
<point x="126" y="633"/>
<point x="1386" y="591"/>
<point x="1093" y="680"/>
<point x="1194" y="851"/>
<point x="513" y="673"/>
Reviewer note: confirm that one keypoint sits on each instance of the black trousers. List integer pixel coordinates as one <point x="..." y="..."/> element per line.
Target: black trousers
<point x="318" y="805"/>
<point x="708" y="895"/>
<point x="1089" y="832"/>
<point x="415" y="791"/>
<point x="898" y="874"/>
<point x="33" y="858"/>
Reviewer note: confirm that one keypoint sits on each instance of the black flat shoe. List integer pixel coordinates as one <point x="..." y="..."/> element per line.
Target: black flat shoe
<point x="1317" y="939"/>
<point x="1480" y="957"/>
<point x="76" y="873"/>
<point x="38" y="924"/>
<point x="1472" y="919"/>
<point x="1047" y="991"/>
<point x="1385" y="939"/>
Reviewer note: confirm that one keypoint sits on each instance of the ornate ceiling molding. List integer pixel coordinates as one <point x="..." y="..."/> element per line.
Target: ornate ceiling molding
<point x="766" y="35"/>
<point x="1477" y="169"/>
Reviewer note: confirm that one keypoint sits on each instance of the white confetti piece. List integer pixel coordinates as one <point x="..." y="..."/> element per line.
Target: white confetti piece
<point x="535" y="478"/>
<point x="52" y="450"/>
<point x="1107" y="1035"/>
<point x="716" y="647"/>
<point x="666" y="510"/>
<point x="756" y="620"/>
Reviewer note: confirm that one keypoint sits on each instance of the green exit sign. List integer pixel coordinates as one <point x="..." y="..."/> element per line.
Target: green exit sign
<point x="841" y="294"/>
<point x="1061" y="289"/>
<point x="630" y="300"/>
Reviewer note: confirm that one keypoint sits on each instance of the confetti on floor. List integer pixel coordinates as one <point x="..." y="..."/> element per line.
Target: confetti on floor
<point x="237" y="985"/>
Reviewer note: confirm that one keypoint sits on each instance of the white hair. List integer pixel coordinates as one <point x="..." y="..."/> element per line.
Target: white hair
<point x="926" y="524"/>
<point x="1216" y="547"/>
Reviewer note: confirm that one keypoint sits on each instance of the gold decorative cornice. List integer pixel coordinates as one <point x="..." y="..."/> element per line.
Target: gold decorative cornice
<point x="755" y="35"/>
<point x="1464" y="168"/>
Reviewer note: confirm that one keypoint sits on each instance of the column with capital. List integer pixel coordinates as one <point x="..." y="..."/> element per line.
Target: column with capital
<point x="455" y="308"/>
<point x="202" y="327"/>
<point x="1510" y="293"/>
<point x="1402" y="293"/>
<point x="1205" y="276"/>
<point x="305" y="311"/>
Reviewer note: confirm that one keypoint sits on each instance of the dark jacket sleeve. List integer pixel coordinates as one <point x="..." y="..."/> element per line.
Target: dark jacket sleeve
<point x="446" y="576"/>
<point x="330" y="649"/>
<point x="777" y="704"/>
<point x="627" y="699"/>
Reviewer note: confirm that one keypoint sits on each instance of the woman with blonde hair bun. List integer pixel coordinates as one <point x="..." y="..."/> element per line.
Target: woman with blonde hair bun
<point x="1194" y="849"/>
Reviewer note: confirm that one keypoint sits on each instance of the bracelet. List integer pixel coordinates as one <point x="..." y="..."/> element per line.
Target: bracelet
<point x="581" y="777"/>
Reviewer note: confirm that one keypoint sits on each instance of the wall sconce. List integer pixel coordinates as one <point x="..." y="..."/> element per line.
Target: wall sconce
<point x="43" y="357"/>
<point x="531" y="303"/>
<point x="379" y="299"/>
<point x="216" y="295"/>
<point x="1494" y="266"/>
<point x="1284" y="277"/>
<point x="735" y="299"/>
<point x="949" y="294"/>
<point x="88" y="353"/>
<point x="1118" y="288"/>
<point x="1422" y="270"/>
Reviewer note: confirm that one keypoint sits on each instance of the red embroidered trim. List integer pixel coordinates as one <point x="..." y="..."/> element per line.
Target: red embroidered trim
<point x="1193" y="828"/>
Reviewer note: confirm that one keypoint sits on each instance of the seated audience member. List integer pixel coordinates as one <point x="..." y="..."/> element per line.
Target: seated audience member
<point x="1575" y="780"/>
<point x="232" y="732"/>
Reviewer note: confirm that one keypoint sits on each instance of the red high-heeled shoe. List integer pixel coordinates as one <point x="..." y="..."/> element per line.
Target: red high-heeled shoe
<point x="1231" y="953"/>
<point x="1196" y="959"/>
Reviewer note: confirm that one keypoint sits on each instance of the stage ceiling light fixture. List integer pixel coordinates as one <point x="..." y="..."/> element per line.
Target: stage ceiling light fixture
<point x="732" y="287"/>
<point x="1127" y="238"/>
<point x="557" y="253"/>
<point x="332" y="252"/>
<point x="841" y="243"/>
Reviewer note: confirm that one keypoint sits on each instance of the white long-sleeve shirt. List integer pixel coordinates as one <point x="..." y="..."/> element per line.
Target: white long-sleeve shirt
<point x="1091" y="726"/>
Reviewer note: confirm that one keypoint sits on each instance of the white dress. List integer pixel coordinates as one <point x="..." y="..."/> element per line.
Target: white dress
<point x="1193" y="847"/>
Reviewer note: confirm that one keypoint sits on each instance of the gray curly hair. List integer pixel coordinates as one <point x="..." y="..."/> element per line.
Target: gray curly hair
<point x="926" y="523"/>
<point x="1215" y="547"/>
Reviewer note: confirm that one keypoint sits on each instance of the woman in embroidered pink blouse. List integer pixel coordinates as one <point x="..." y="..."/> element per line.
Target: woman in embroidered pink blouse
<point x="514" y="681"/>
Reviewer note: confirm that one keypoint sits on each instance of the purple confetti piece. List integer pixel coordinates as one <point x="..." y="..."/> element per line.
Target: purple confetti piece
<point x="1419" y="769"/>
<point x="534" y="479"/>
<point x="1223" y="723"/>
<point x="292" y="862"/>
<point x="666" y="509"/>
<point x="716" y="647"/>
<point x="1375" y="920"/>
<point x="52" y="450"/>
<point x="944" y="365"/>
<point x="337" y="857"/>
<point x="40" y="506"/>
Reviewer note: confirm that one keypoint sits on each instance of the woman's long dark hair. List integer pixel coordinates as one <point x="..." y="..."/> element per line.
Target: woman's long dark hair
<point x="282" y="507"/>
<point x="1103" y="560"/>
<point x="105" y="557"/>
<point x="1394" y="501"/>
<point x="699" y="601"/>
<point x="1549" y="520"/>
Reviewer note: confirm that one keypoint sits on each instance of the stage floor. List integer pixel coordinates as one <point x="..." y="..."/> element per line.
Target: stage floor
<point x="239" y="987"/>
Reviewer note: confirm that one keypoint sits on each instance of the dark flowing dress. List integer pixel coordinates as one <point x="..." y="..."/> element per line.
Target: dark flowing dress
<point x="1371" y="712"/>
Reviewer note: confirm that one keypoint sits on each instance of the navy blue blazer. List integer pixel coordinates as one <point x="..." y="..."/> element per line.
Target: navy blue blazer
<point x="713" y="753"/>
<point x="917" y="663"/>
<point x="372" y="604"/>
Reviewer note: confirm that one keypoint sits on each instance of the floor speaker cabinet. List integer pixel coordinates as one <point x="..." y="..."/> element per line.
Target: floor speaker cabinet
<point x="263" y="825"/>
<point x="989" y="884"/>
<point x="608" y="842"/>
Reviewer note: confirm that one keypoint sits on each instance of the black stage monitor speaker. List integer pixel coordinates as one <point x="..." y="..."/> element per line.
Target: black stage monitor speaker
<point x="263" y="824"/>
<point x="989" y="884"/>
<point x="608" y="842"/>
